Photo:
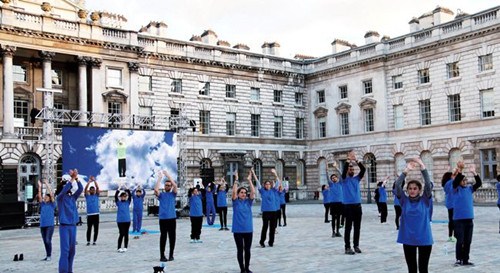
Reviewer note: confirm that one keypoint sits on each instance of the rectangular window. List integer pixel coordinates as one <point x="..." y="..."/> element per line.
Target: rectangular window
<point x="424" y="76"/>
<point x="145" y="83"/>
<point x="343" y="92"/>
<point x="320" y="96"/>
<point x="205" y="122"/>
<point x="146" y="121"/>
<point x="58" y="106"/>
<point x="230" y="91"/>
<point x="452" y="70"/>
<point x="344" y="124"/>
<point x="488" y="164"/>
<point x="369" y="120"/>
<point x="115" y="114"/>
<point x="114" y="77"/>
<point x="254" y="94"/>
<point x="299" y="98"/>
<point x="21" y="110"/>
<point x="278" y="127"/>
<point x="454" y="107"/>
<point x="425" y="112"/>
<point x="299" y="128"/>
<point x="255" y="125"/>
<point x="397" y="81"/>
<point x="321" y="127"/>
<point x="230" y="124"/>
<point x="278" y="96"/>
<point x="367" y="87"/>
<point x="485" y="62"/>
<point x="398" y="117"/>
<point x="57" y="78"/>
<point x="176" y="86"/>
<point x="19" y="73"/>
<point x="487" y="103"/>
<point x="205" y="89"/>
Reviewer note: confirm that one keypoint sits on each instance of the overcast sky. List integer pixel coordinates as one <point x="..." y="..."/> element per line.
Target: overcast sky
<point x="300" y="26"/>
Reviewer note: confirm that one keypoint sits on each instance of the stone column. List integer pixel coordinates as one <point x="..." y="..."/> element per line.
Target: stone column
<point x="96" y="86"/>
<point x="82" y="88"/>
<point x="133" y="67"/>
<point x="8" y="91"/>
<point x="48" y="98"/>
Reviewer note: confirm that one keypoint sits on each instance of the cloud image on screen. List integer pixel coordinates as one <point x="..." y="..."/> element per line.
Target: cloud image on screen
<point x="119" y="156"/>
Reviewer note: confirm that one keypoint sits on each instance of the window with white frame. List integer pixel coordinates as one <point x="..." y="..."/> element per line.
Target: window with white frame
<point x="255" y="125"/>
<point x="114" y="77"/>
<point x="205" y="90"/>
<point x="323" y="179"/>
<point x="278" y="96"/>
<point x="425" y="112"/>
<point x="322" y="127"/>
<point x="279" y="166"/>
<point x="21" y="110"/>
<point x="230" y="124"/>
<point x="19" y="73"/>
<point x="454" y="157"/>
<point x="344" y="124"/>
<point x="485" y="62"/>
<point x="488" y="164"/>
<point x="300" y="173"/>
<point x="115" y="111"/>
<point x="146" y="113"/>
<point x="454" y="108"/>
<point x="367" y="87"/>
<point x="299" y="98"/>
<point x="452" y="70"/>
<point x="369" y="120"/>
<point x="176" y="86"/>
<point x="399" y="121"/>
<point x="278" y="127"/>
<point x="424" y="76"/>
<point x="400" y="162"/>
<point x="397" y="81"/>
<point x="320" y="95"/>
<point x="230" y="91"/>
<point x="254" y="93"/>
<point x="487" y="103"/>
<point x="145" y="83"/>
<point x="204" y="122"/>
<point x="343" y="92"/>
<point x="57" y="78"/>
<point x="257" y="168"/>
<point x="299" y="128"/>
<point x="426" y="157"/>
<point x="371" y="167"/>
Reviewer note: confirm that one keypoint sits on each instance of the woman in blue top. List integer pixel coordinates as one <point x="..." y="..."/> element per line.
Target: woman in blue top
<point x="123" y="216"/>
<point x="268" y="208"/>
<point x="397" y="206"/>
<point x="325" y="190"/>
<point x="222" y="203"/>
<point x="415" y="230"/>
<point x="92" y="199"/>
<point x="210" y="205"/>
<point x="47" y="207"/>
<point x="463" y="213"/>
<point x="447" y="184"/>
<point x="138" y="200"/>
<point x="382" y="200"/>
<point x="242" y="221"/>
<point x="195" y="214"/>
<point x="282" y="212"/>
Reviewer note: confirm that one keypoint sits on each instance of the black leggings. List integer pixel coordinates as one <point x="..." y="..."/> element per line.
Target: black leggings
<point x="353" y="214"/>
<point x="398" y="215"/>
<point x="383" y="212"/>
<point x="463" y="231"/>
<point x="123" y="228"/>
<point x="327" y="209"/>
<point x="92" y="221"/>
<point x="268" y="221"/>
<point x="196" y="223"/>
<point x="336" y="211"/>
<point x="424" y="254"/>
<point x="167" y="228"/>
<point x="243" y="244"/>
<point x="282" y="213"/>
<point x="223" y="216"/>
<point x="450" y="222"/>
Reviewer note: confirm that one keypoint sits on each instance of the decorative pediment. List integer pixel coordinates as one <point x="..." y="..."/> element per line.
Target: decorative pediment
<point x="343" y="107"/>
<point x="204" y="106"/>
<point x="115" y="95"/>
<point x="21" y="92"/>
<point x="367" y="103"/>
<point x="255" y="110"/>
<point x="320" y="112"/>
<point x="175" y="75"/>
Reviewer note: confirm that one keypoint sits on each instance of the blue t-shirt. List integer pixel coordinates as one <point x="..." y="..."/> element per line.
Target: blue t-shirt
<point x="463" y="207"/>
<point x="448" y="194"/>
<point x="282" y="197"/>
<point x="195" y="207"/>
<point x="167" y="205"/>
<point x="138" y="201"/>
<point x="242" y="216"/>
<point x="498" y="192"/>
<point x="415" y="228"/>
<point x="122" y="212"/>
<point x="47" y="214"/>
<point x="326" y="196"/>
<point x="382" y="195"/>
<point x="209" y="195"/>
<point x="277" y="202"/>
<point x="92" y="204"/>
<point x="396" y="200"/>
<point x="268" y="202"/>
<point x="350" y="188"/>
<point x="221" y="198"/>
<point x="335" y="193"/>
<point x="66" y="205"/>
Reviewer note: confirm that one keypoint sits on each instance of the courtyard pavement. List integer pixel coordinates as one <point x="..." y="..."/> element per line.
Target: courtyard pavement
<point x="305" y="245"/>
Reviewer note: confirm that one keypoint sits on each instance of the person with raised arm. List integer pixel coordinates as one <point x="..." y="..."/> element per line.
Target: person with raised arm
<point x="267" y="194"/>
<point x="166" y="214"/>
<point x="242" y="221"/>
<point x="336" y="197"/>
<point x="138" y="195"/>
<point x="195" y="213"/>
<point x="447" y="184"/>
<point x="397" y="205"/>
<point x="92" y="200"/>
<point x="277" y="203"/>
<point x="415" y="231"/>
<point x="282" y="211"/>
<point x="123" y="198"/>
<point x="382" y="201"/>
<point x="47" y="209"/>
<point x="210" y="205"/>
<point x="222" y="203"/>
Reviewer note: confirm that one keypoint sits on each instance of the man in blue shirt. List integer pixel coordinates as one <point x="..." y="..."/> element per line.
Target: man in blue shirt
<point x="92" y="199"/>
<point x="167" y="214"/>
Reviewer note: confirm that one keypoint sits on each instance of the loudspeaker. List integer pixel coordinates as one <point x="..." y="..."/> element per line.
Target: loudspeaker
<point x="11" y="215"/>
<point x="8" y="186"/>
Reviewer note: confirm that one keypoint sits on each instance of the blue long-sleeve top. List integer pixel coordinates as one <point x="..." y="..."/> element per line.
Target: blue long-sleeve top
<point x="92" y="203"/>
<point x="335" y="193"/>
<point x="268" y="198"/>
<point x="415" y="228"/>
<point x="326" y="196"/>
<point x="242" y="216"/>
<point x="463" y="207"/>
<point x="382" y="195"/>
<point x="498" y="192"/>
<point x="195" y="205"/>
<point x="66" y="204"/>
<point x="166" y="209"/>
<point x="47" y="213"/>
<point x="123" y="207"/>
<point x="209" y="195"/>
<point x="282" y="197"/>
<point x="350" y="185"/>
<point x="138" y="201"/>
<point x="448" y="194"/>
<point x="222" y="198"/>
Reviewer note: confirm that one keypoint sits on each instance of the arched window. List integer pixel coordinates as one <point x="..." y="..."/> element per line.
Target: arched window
<point x="300" y="173"/>
<point x="279" y="168"/>
<point x="399" y="160"/>
<point x="426" y="157"/>
<point x="454" y="157"/>
<point x="28" y="175"/>
<point x="257" y="167"/>
<point x="322" y="171"/>
<point x="371" y="168"/>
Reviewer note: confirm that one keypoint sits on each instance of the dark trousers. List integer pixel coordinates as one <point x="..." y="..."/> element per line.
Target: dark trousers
<point x="398" y="215"/>
<point x="424" y="254"/>
<point x="383" y="212"/>
<point x="210" y="213"/>
<point x="67" y="243"/>
<point x="336" y="211"/>
<point x="167" y="228"/>
<point x="137" y="220"/>
<point x="450" y="222"/>
<point x="353" y="214"/>
<point x="463" y="233"/>
<point x="268" y="221"/>
<point x="287" y="197"/>
<point x="196" y="222"/>
<point x="47" y="233"/>
<point x="282" y="213"/>
<point x="92" y="222"/>
<point x="122" y="167"/>
<point x="223" y="216"/>
<point x="327" y="210"/>
<point x="123" y="229"/>
<point x="243" y="245"/>
<point x="277" y="214"/>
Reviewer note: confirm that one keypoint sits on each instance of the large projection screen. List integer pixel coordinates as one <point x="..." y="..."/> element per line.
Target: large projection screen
<point x="119" y="156"/>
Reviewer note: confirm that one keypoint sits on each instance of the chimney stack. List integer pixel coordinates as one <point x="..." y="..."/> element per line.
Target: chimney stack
<point x="371" y="37"/>
<point x="340" y="45"/>
<point x="442" y="15"/>
<point x="209" y="37"/>
<point x="414" y="24"/>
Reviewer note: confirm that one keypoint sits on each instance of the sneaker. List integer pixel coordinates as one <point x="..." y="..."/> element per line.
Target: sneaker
<point x="261" y="245"/>
<point x="163" y="259"/>
<point x="327" y="221"/>
<point x="349" y="251"/>
<point x="333" y="234"/>
<point x="192" y="241"/>
<point x="467" y="264"/>
<point x="458" y="263"/>
<point x="136" y="237"/>
<point x="221" y="228"/>
<point x="357" y="249"/>
<point x="120" y="250"/>
<point x="341" y="226"/>
<point x="48" y="259"/>
<point x="284" y="225"/>
<point x="452" y="239"/>
<point x="171" y="258"/>
<point x="337" y="234"/>
<point x="88" y="243"/>
<point x="226" y="228"/>
<point x="21" y="257"/>
<point x="199" y="241"/>
<point x="93" y="243"/>
<point x="16" y="258"/>
<point x="279" y="225"/>
<point x="271" y="245"/>
<point x="125" y="249"/>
